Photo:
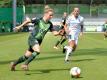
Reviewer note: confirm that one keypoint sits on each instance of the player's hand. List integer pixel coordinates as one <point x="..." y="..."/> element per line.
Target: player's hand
<point x="81" y="34"/>
<point x="17" y="28"/>
<point x="61" y="32"/>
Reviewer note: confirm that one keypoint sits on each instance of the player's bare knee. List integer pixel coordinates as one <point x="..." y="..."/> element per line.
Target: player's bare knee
<point x="28" y="53"/>
<point x="36" y="48"/>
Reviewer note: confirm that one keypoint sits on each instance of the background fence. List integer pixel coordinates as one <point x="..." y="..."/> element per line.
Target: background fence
<point x="95" y="15"/>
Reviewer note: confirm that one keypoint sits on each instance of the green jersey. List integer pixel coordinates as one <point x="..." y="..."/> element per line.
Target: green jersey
<point x="105" y="27"/>
<point x="40" y="29"/>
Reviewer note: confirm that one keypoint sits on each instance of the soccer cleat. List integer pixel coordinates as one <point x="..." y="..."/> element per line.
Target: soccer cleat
<point x="67" y="61"/>
<point x="12" y="66"/>
<point x="25" y="67"/>
<point x="55" y="47"/>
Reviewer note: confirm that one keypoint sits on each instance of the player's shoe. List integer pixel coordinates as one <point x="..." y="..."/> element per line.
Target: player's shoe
<point x="25" y="67"/>
<point x="55" y="47"/>
<point x="67" y="61"/>
<point x="12" y="66"/>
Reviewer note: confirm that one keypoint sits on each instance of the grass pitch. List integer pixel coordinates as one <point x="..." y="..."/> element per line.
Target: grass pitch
<point x="90" y="56"/>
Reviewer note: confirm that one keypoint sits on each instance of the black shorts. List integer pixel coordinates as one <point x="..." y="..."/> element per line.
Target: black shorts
<point x="33" y="41"/>
<point x="30" y="49"/>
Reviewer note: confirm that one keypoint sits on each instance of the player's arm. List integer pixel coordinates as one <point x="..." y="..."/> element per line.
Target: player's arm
<point x="23" y="24"/>
<point x="66" y="28"/>
<point x="82" y="27"/>
<point x="81" y="33"/>
<point x="56" y="33"/>
<point x="53" y="30"/>
<point x="66" y="25"/>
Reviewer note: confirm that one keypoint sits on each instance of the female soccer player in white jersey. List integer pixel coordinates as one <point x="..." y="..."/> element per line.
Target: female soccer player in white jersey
<point x="73" y="27"/>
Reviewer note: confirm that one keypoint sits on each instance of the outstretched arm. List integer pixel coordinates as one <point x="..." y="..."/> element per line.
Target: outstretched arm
<point x="56" y="33"/>
<point x="81" y="33"/>
<point x="22" y="25"/>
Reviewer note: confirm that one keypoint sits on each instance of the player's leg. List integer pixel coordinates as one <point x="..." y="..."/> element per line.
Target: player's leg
<point x="56" y="45"/>
<point x="20" y="60"/>
<point x="36" y="52"/>
<point x="63" y="40"/>
<point x="58" y="42"/>
<point x="105" y="35"/>
<point x="75" y="46"/>
<point x="73" y="39"/>
<point x="69" y="49"/>
<point x="36" y="49"/>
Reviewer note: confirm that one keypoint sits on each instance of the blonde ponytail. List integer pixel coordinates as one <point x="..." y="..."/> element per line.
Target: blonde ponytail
<point x="47" y="9"/>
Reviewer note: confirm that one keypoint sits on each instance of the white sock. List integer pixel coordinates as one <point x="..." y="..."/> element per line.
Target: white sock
<point x="65" y="47"/>
<point x="68" y="51"/>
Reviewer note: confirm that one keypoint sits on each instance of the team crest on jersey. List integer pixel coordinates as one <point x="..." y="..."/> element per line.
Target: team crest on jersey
<point x="44" y="27"/>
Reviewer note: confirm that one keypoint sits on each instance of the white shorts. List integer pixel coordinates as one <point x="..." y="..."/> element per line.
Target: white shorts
<point x="73" y="36"/>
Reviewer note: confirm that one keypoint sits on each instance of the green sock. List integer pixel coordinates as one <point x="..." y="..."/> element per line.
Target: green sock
<point x="34" y="54"/>
<point x="20" y="60"/>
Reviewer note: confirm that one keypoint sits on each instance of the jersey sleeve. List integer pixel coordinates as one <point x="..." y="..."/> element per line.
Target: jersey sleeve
<point x="63" y="21"/>
<point x="34" y="20"/>
<point x="51" y="27"/>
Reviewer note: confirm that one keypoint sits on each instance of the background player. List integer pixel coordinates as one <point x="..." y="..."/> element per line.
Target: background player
<point x="105" y="29"/>
<point x="63" y="33"/>
<point x="73" y="26"/>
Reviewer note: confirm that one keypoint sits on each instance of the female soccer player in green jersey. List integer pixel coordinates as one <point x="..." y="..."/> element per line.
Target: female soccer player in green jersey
<point x="105" y="29"/>
<point x="42" y="26"/>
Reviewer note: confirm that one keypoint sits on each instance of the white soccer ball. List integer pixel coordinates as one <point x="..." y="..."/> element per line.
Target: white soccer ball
<point x="75" y="72"/>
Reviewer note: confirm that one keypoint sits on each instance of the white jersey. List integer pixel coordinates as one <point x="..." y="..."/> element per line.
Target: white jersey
<point x="74" y="24"/>
<point x="74" y="27"/>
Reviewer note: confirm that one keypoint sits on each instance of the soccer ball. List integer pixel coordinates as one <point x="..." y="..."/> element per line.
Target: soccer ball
<point x="75" y="72"/>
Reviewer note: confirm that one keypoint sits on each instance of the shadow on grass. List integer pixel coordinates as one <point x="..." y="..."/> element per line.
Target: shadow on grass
<point x="96" y="51"/>
<point x="39" y="58"/>
<point x="44" y="71"/>
<point x="76" y="78"/>
<point x="50" y="57"/>
<point x="80" y="60"/>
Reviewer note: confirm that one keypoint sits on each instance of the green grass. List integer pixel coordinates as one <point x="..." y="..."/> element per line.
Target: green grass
<point x="90" y="56"/>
